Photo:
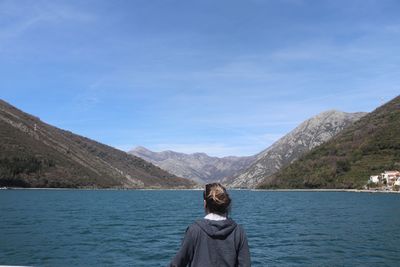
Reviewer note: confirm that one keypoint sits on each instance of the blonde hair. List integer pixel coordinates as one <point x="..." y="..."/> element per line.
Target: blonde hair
<point x="217" y="198"/>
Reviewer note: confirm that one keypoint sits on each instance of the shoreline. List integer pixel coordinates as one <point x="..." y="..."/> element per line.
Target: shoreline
<point x="200" y="189"/>
<point x="326" y="190"/>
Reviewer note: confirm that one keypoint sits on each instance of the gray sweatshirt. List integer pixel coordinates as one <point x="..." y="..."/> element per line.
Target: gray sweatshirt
<point x="213" y="243"/>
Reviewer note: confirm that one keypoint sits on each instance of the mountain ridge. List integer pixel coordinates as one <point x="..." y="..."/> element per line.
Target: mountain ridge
<point x="36" y="154"/>
<point x="198" y="166"/>
<point x="204" y="169"/>
<point x="371" y="145"/>
<point x="309" y="134"/>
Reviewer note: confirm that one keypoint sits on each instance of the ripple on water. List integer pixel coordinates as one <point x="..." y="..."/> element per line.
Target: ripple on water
<point x="145" y="228"/>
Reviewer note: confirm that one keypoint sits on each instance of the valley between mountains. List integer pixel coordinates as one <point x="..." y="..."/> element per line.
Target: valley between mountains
<point x="333" y="149"/>
<point x="247" y="172"/>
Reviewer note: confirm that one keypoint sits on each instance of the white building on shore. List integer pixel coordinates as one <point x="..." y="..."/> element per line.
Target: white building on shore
<point x="387" y="179"/>
<point x="390" y="177"/>
<point x="374" y="179"/>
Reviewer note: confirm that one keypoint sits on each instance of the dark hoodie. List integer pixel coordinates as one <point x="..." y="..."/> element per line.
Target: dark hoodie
<point x="213" y="243"/>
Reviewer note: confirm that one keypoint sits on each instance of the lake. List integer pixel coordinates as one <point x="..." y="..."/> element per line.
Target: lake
<point x="145" y="228"/>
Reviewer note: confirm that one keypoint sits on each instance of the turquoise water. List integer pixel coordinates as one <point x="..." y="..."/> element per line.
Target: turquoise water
<point x="144" y="228"/>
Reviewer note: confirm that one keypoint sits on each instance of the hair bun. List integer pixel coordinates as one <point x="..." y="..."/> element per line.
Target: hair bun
<point x="217" y="199"/>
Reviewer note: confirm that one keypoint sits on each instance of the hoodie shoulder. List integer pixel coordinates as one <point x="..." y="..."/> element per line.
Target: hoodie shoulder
<point x="216" y="229"/>
<point x="194" y="227"/>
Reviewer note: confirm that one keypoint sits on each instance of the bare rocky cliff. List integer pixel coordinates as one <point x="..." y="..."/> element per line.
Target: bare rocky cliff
<point x="308" y="135"/>
<point x="198" y="167"/>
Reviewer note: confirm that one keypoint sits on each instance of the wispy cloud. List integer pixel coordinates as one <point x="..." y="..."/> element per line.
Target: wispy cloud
<point x="169" y="77"/>
<point x="18" y="19"/>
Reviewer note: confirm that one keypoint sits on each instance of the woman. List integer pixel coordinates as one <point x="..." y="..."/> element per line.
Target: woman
<point x="215" y="240"/>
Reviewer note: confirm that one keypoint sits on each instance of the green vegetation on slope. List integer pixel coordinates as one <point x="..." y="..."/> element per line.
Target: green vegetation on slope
<point x="35" y="154"/>
<point x="370" y="146"/>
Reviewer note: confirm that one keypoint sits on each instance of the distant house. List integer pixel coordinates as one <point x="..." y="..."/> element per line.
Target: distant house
<point x="391" y="177"/>
<point x="374" y="179"/>
<point x="397" y="182"/>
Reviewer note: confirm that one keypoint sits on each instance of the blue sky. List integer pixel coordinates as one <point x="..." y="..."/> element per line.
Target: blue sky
<point x="221" y="77"/>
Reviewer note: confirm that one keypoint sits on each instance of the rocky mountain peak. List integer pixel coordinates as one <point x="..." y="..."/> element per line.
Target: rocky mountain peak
<point x="247" y="171"/>
<point x="368" y="146"/>
<point x="141" y="149"/>
<point x="199" y="167"/>
<point x="309" y="134"/>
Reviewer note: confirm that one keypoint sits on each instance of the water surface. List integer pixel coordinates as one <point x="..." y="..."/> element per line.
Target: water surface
<point x="145" y="228"/>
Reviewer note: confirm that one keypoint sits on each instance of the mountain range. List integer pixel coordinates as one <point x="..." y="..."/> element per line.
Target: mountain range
<point x="368" y="147"/>
<point x="309" y="134"/>
<point x="248" y="171"/>
<point x="198" y="167"/>
<point x="36" y="154"/>
<point x="333" y="149"/>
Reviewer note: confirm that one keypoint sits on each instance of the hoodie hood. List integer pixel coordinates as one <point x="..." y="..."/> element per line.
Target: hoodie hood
<point x="217" y="229"/>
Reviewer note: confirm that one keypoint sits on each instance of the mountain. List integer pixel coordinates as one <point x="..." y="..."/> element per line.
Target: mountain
<point x="309" y="134"/>
<point x="369" y="146"/>
<point x="198" y="166"/>
<point x="36" y="154"/>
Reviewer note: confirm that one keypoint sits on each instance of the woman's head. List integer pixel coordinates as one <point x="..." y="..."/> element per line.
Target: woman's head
<point x="216" y="199"/>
